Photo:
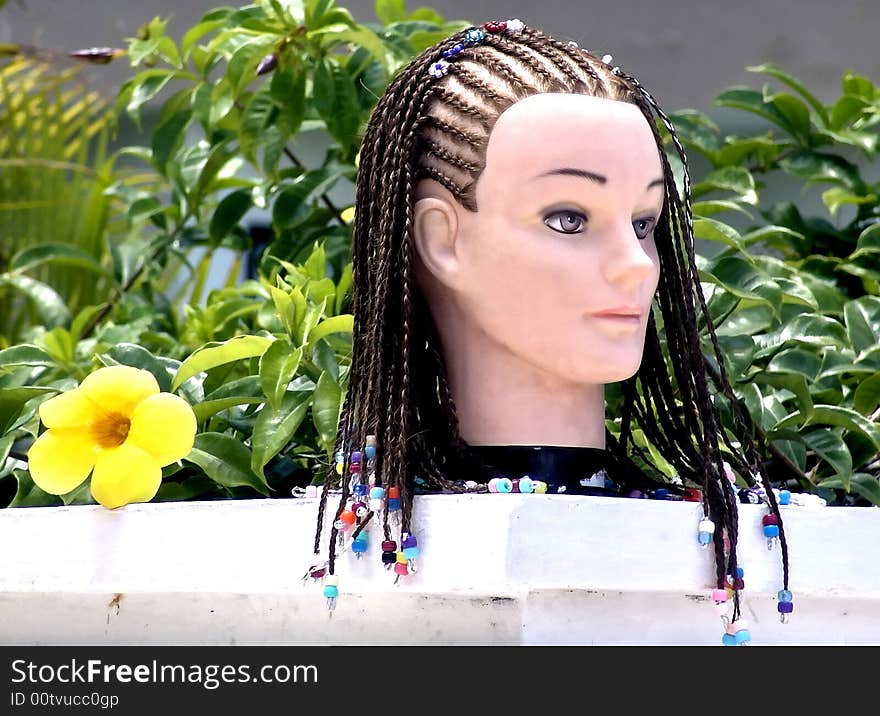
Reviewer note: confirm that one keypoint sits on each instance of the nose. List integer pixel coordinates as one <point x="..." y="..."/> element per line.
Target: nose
<point x="626" y="261"/>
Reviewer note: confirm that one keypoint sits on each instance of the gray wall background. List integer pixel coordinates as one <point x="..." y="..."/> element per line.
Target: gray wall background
<point x="684" y="51"/>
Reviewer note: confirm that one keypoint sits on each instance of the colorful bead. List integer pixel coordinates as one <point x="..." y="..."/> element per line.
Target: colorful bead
<point x="474" y="36"/>
<point x="504" y="485"/>
<point x="514" y="26"/>
<point x="370" y="449"/>
<point x="331" y="591"/>
<point x="356" y="457"/>
<point x="728" y="640"/>
<point x="454" y="50"/>
<point x="719" y="595"/>
<point x="705" y="530"/>
<point x="539" y="486"/>
<point x="339" y="468"/>
<point x="389" y="558"/>
<point x="784" y="497"/>
<point x="360" y="489"/>
<point x="785" y="607"/>
<point x="411" y="552"/>
<point x="311" y="490"/>
<point x="743" y="636"/>
<point x="376" y="504"/>
<point x="495" y="26"/>
<point x="693" y="494"/>
<point x="377" y="493"/>
<point x="771" y="531"/>
<point x="400" y="569"/>
<point x="493" y="484"/>
<point x="439" y="68"/>
<point x="526" y="485"/>
<point x="359" y="545"/>
<point x="400" y="558"/>
<point x="360" y="509"/>
<point x="783" y="595"/>
<point x="661" y="493"/>
<point x="769" y="520"/>
<point x="348" y="517"/>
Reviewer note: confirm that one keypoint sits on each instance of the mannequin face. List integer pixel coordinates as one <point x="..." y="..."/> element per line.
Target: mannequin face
<point x="558" y="267"/>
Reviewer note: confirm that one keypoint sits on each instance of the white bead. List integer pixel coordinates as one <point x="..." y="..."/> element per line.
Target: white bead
<point x="721" y="609"/>
<point x="331" y="580"/>
<point x="311" y="491"/>
<point x="376" y="504"/>
<point x="707" y="526"/>
<point x="516" y="25"/>
<point x="607" y="59"/>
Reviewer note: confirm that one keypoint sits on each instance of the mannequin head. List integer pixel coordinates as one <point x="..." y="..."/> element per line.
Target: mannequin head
<point x="504" y="198"/>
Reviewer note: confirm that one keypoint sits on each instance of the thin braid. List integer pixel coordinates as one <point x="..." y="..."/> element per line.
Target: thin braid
<point x="439" y="151"/>
<point x="472" y="139"/>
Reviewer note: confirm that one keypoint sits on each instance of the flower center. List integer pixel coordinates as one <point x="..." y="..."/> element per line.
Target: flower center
<point x="111" y="430"/>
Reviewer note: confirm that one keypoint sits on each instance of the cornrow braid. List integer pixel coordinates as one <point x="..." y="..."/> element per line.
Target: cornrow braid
<point x="433" y="122"/>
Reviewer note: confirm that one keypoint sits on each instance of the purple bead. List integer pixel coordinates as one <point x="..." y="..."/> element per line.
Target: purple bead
<point x="356" y="456"/>
<point x="635" y="494"/>
<point x="409" y="541"/>
<point x="785" y="607"/>
<point x="515" y="486"/>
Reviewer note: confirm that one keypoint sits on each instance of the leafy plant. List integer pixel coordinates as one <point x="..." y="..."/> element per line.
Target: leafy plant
<point x="796" y="298"/>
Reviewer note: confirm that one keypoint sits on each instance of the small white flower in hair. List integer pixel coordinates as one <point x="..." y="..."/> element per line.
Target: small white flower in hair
<point x="572" y="43"/>
<point x="607" y="59"/>
<point x="439" y="68"/>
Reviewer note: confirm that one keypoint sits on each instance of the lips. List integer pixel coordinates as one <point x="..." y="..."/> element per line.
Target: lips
<point x="620" y="312"/>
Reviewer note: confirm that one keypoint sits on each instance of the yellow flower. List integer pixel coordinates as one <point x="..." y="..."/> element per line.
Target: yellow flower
<point x="118" y="423"/>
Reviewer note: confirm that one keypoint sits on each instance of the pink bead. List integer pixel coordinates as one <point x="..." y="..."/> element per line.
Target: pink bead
<point x="400" y="569"/>
<point x="719" y="595"/>
<point x="736" y="626"/>
<point x="493" y="485"/>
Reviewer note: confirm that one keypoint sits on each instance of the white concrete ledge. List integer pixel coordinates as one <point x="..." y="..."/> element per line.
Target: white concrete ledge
<point x="495" y="569"/>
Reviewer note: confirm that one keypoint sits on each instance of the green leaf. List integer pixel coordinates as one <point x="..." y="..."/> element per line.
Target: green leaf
<point x="274" y="429"/>
<point x="336" y="100"/>
<point x="796" y="360"/>
<point x="207" y="408"/>
<point x="795" y="382"/>
<point x="845" y="110"/>
<point x="750" y="100"/>
<point x="336" y="324"/>
<point x="829" y="445"/>
<point x="858" y="325"/>
<point x="25" y="355"/>
<point x="62" y="254"/>
<point x="342" y="288"/>
<point x="12" y="401"/>
<point x="278" y="365"/>
<point x="137" y="356"/>
<point x="866" y="398"/>
<point x="288" y="91"/>
<point x="836" y="197"/>
<point x="717" y="206"/>
<point x="28" y="494"/>
<point x="862" y="483"/>
<point x="711" y="230"/>
<point x="229" y="212"/>
<point x="389" y="11"/>
<point x="817" y="167"/>
<point x="734" y="179"/>
<point x="226" y="461"/>
<point x="796" y="85"/>
<point x="293" y="205"/>
<point x="795" y="114"/>
<point x="48" y="303"/>
<point x="839" y="416"/>
<point x="215" y="354"/>
<point x="168" y="137"/>
<point x="326" y="409"/>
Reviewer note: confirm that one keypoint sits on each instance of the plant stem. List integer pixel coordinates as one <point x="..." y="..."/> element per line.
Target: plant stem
<point x="326" y="199"/>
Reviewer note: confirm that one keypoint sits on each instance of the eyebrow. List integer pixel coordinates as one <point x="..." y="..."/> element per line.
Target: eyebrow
<point x="591" y="176"/>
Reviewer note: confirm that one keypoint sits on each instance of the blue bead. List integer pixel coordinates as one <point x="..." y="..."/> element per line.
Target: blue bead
<point x="359" y="545"/>
<point x="740" y="573"/>
<point x="771" y="531"/>
<point x="331" y="591"/>
<point x="784" y="595"/>
<point x="743" y="635"/>
<point x="360" y="489"/>
<point x="526" y="485"/>
<point x="411" y="552"/>
<point x="409" y="541"/>
<point x="785" y="607"/>
<point x="661" y="493"/>
<point x="393" y="504"/>
<point x="728" y="640"/>
<point x="504" y="485"/>
<point x="705" y="537"/>
<point x="377" y="493"/>
<point x="784" y="497"/>
<point x="370" y="452"/>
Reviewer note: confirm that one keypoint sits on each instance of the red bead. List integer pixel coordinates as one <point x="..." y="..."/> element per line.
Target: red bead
<point x="515" y="486"/>
<point x="494" y="26"/>
<point x="770" y="520"/>
<point x="393" y="493"/>
<point x="389" y="546"/>
<point x="347" y="516"/>
<point x="739" y="584"/>
<point x="693" y="494"/>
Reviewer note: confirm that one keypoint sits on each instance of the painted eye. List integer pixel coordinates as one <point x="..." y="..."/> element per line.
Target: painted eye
<point x="643" y="227"/>
<point x="566" y="222"/>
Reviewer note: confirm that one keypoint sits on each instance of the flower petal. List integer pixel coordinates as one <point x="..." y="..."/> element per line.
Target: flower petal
<point x="125" y="474"/>
<point x="61" y="459"/>
<point x="68" y="410"/>
<point x="165" y="426"/>
<point x="119" y="388"/>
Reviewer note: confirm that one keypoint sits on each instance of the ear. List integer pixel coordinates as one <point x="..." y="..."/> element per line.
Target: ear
<point x="435" y="230"/>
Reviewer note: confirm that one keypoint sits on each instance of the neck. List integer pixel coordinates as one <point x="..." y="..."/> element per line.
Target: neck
<point x="501" y="399"/>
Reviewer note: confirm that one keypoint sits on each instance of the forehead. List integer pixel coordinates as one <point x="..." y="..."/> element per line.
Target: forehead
<point x="551" y="130"/>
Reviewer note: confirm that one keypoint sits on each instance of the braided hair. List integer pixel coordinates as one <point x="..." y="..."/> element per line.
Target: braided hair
<point x="436" y="125"/>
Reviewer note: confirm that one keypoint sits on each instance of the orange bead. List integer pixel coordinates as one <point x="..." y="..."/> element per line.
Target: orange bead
<point x="347" y="516"/>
